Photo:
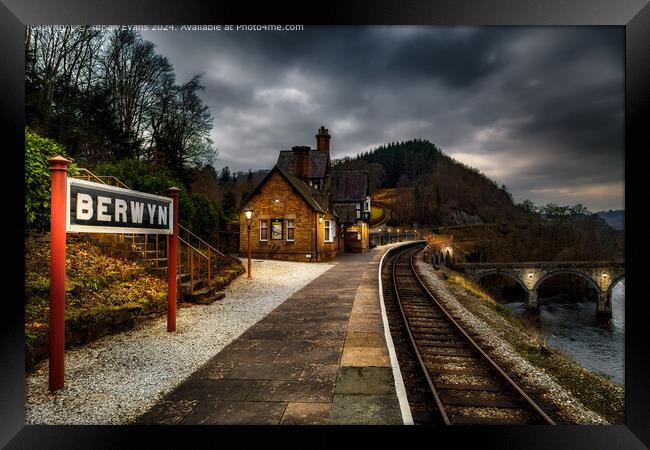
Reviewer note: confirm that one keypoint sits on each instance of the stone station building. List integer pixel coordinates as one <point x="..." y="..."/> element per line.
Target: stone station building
<point x="305" y="211"/>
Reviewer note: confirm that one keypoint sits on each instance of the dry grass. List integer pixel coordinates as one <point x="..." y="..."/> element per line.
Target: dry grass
<point x="376" y="214"/>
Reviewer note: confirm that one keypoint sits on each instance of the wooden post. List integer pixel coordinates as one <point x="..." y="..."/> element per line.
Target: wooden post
<point x="59" y="170"/>
<point x="171" y="262"/>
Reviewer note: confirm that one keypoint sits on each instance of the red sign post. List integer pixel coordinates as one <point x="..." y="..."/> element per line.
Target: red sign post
<point x="59" y="169"/>
<point x="172" y="257"/>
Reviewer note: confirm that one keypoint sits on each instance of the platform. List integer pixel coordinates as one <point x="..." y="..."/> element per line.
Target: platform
<point x="318" y="358"/>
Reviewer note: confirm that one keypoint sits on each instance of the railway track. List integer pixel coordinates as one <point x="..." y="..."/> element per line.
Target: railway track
<point x="448" y="377"/>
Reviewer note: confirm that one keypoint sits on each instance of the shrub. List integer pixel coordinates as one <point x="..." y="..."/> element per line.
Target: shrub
<point x="138" y="175"/>
<point x="38" y="181"/>
<point x="205" y="217"/>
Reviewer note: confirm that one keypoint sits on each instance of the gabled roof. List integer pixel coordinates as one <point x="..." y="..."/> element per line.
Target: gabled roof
<point x="317" y="162"/>
<point x="349" y="185"/>
<point x="316" y="199"/>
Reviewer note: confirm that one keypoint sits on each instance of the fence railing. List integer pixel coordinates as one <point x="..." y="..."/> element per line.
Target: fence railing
<point x="391" y="236"/>
<point x="85" y="174"/>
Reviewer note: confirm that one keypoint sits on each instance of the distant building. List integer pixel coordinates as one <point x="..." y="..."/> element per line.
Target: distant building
<point x="304" y="211"/>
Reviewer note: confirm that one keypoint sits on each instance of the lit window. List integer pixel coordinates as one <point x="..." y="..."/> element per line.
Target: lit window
<point x="264" y="230"/>
<point x="366" y="205"/>
<point x="358" y="210"/>
<point x="290" y="229"/>
<point x="330" y="230"/>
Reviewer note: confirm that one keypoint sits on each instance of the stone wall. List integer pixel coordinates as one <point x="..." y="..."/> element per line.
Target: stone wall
<point x="82" y="332"/>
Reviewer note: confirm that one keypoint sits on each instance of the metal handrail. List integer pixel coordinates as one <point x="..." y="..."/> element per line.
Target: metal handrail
<point x="181" y="227"/>
<point x="193" y="248"/>
<point x="99" y="178"/>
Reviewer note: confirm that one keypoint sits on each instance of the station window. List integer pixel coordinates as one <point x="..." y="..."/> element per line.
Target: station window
<point x="264" y="230"/>
<point x="358" y="210"/>
<point x="330" y="230"/>
<point x="291" y="228"/>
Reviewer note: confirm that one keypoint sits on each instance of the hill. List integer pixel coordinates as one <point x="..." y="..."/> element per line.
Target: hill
<point x="614" y="218"/>
<point x="425" y="187"/>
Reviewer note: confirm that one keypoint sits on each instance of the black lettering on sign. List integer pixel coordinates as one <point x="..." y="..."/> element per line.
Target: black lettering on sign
<point x="98" y="208"/>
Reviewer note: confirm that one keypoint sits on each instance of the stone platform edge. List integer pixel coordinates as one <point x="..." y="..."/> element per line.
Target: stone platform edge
<point x="369" y="388"/>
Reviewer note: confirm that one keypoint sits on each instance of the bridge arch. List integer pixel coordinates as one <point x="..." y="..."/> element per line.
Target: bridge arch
<point x="502" y="272"/>
<point x="614" y="283"/>
<point x="575" y="272"/>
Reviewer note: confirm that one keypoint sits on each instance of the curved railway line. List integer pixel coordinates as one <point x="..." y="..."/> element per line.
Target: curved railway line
<point x="448" y="377"/>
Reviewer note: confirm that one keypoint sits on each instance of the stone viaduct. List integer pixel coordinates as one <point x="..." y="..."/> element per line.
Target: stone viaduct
<point x="601" y="275"/>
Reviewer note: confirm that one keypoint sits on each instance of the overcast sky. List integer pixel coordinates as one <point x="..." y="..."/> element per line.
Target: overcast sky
<point x="539" y="109"/>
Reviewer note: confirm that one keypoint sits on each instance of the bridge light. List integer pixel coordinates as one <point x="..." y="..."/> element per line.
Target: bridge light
<point x="604" y="275"/>
<point x="530" y="274"/>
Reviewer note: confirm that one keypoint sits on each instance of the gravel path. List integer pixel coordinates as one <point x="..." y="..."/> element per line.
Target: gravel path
<point x="116" y="378"/>
<point x="568" y="406"/>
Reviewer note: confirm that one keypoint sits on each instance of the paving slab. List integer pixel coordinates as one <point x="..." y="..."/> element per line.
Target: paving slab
<point x="307" y="414"/>
<point x="365" y="410"/>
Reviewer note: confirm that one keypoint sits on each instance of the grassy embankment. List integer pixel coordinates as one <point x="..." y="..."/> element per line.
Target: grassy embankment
<point x="596" y="391"/>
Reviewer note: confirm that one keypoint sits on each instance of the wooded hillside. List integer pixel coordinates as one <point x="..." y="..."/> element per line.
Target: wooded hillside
<point x="428" y="188"/>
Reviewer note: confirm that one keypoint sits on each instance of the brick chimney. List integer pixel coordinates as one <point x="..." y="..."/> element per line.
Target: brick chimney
<point x="301" y="161"/>
<point x="323" y="139"/>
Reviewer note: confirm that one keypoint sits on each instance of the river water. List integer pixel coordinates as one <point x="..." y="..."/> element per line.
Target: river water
<point x="572" y="326"/>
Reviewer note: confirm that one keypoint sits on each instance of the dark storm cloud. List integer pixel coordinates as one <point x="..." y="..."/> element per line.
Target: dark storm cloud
<point x="538" y="109"/>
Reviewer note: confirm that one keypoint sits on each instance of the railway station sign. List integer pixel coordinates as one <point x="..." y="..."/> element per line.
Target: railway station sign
<point x="99" y="208"/>
<point x="87" y="207"/>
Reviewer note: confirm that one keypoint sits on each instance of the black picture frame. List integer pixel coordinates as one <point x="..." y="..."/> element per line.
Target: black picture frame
<point x="634" y="15"/>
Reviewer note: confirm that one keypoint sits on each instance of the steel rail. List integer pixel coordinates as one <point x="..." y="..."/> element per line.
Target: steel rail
<point x="425" y="371"/>
<point x="459" y="328"/>
<point x="514" y="385"/>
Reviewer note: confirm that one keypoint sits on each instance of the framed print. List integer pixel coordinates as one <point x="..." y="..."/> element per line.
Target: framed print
<point x="498" y="143"/>
<point x="277" y="229"/>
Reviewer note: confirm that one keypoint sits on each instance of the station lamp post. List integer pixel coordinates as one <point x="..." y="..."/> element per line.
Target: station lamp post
<point x="389" y="236"/>
<point x="248" y="213"/>
<point x="398" y="235"/>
